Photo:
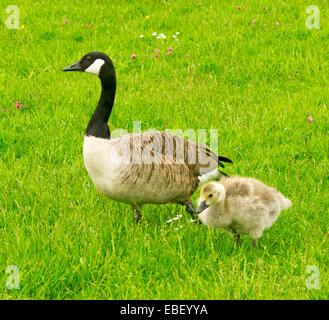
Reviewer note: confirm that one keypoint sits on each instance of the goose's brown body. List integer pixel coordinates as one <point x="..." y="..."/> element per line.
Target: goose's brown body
<point x="153" y="167"/>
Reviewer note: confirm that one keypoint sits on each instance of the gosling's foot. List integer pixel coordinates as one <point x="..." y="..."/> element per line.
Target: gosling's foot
<point x="238" y="240"/>
<point x="137" y="214"/>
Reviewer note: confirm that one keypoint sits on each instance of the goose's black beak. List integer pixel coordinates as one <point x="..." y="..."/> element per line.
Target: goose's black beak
<point x="73" y="67"/>
<point x="202" y="206"/>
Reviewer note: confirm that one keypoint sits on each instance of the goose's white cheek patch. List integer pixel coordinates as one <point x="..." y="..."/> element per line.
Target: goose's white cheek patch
<point x="95" y="67"/>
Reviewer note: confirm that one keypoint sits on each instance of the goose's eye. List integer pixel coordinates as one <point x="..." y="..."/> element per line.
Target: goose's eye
<point x="88" y="58"/>
<point x="210" y="196"/>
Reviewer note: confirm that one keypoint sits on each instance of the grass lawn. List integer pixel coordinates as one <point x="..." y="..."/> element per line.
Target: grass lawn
<point x="257" y="84"/>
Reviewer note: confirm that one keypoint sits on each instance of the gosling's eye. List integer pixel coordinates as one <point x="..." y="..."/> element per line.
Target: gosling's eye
<point x="210" y="196"/>
<point x="88" y="58"/>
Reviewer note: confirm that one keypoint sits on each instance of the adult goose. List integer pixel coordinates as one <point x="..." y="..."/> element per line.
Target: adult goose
<point x="153" y="167"/>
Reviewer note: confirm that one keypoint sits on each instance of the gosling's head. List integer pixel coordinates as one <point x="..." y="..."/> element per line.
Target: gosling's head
<point x="210" y="194"/>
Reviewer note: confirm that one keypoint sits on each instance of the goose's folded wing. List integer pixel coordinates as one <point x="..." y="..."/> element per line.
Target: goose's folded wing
<point x="167" y="148"/>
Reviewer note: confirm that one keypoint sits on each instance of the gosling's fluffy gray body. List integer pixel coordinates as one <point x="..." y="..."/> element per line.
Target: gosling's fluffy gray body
<point x="244" y="206"/>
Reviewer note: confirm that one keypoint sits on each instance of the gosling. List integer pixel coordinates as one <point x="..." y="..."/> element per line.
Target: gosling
<point x="241" y="206"/>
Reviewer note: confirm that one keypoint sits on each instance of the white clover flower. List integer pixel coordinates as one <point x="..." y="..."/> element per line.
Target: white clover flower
<point x="141" y="36"/>
<point x="154" y="33"/>
<point x="175" y="218"/>
<point x="174" y="36"/>
<point x="177" y="32"/>
<point x="160" y="35"/>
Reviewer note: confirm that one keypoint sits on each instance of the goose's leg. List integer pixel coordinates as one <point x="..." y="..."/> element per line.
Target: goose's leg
<point x="190" y="208"/>
<point x="137" y="213"/>
<point x="254" y="243"/>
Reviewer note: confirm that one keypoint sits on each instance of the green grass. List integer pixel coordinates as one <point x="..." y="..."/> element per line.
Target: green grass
<point x="256" y="85"/>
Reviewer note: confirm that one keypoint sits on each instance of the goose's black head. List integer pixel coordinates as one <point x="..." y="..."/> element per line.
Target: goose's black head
<point x="100" y="64"/>
<point x="97" y="63"/>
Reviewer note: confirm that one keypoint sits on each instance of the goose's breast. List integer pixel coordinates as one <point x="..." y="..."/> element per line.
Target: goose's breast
<point x="101" y="161"/>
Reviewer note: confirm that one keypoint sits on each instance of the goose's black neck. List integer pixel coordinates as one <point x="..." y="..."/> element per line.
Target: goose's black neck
<point x="97" y="125"/>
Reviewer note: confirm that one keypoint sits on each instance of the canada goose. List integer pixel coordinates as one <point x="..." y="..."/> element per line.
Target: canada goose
<point x="139" y="168"/>
<point x="240" y="205"/>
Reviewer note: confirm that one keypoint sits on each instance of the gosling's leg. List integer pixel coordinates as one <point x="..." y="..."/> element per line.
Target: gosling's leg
<point x="137" y="214"/>
<point x="237" y="239"/>
<point x="221" y="236"/>
<point x="254" y="243"/>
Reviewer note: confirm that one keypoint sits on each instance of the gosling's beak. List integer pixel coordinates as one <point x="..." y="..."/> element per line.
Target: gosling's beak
<point x="73" y="67"/>
<point x="202" y="206"/>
